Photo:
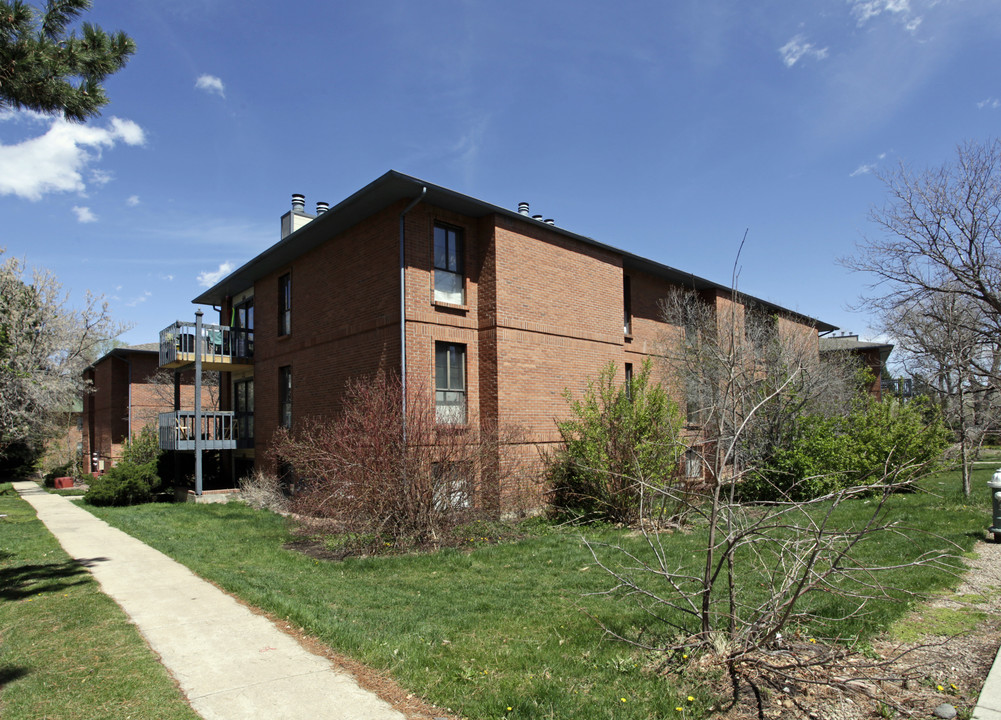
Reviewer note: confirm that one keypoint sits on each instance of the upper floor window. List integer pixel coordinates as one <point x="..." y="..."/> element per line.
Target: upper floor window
<point x="449" y="261"/>
<point x="285" y="396"/>
<point x="243" y="329"/>
<point x="285" y="304"/>
<point x="450" y="383"/>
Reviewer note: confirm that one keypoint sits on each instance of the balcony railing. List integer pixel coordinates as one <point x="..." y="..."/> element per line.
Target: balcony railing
<point x="222" y="348"/>
<point x="218" y="430"/>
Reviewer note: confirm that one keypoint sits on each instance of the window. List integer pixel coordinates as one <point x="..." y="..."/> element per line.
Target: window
<point x="243" y="407"/>
<point x="693" y="463"/>
<point x="285" y="304"/>
<point x="449" y="280"/>
<point x="629" y="380"/>
<point x="452" y="485"/>
<point x="285" y="396"/>
<point x="243" y="329"/>
<point x="627" y="306"/>
<point x="450" y="383"/>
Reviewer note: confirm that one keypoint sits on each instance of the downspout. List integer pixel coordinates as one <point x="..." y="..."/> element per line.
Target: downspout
<point x="403" y="307"/>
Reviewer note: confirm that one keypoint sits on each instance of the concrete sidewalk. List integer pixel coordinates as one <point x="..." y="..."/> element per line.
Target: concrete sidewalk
<point x="229" y="662"/>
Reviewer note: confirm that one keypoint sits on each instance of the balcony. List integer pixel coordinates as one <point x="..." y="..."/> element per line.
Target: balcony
<point x="218" y="430"/>
<point x="223" y="348"/>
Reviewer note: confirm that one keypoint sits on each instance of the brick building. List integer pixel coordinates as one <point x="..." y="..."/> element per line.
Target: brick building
<point x="871" y="355"/>
<point x="127" y="392"/>
<point x="494" y="311"/>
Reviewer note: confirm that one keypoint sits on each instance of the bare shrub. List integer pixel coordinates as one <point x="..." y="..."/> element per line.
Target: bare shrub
<point x="263" y="490"/>
<point x="408" y="482"/>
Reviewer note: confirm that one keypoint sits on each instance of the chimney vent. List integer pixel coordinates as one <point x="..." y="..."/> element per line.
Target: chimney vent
<point x="549" y="221"/>
<point x="298" y="202"/>
<point x="322" y="207"/>
<point x="537" y="217"/>
<point x="523" y="208"/>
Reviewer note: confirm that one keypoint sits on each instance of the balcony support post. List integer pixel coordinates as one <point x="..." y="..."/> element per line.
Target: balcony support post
<point x="198" y="403"/>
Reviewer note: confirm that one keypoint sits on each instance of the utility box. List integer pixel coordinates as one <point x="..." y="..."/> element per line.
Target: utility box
<point x="62" y="483"/>
<point x="995" y="487"/>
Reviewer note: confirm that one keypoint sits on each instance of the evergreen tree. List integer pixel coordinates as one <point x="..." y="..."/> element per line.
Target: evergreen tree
<point x="47" y="69"/>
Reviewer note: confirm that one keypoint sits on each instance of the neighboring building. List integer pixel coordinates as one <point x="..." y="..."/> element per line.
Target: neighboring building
<point x="67" y="444"/>
<point x="872" y="355"/>
<point x="127" y="392"/>
<point x="494" y="311"/>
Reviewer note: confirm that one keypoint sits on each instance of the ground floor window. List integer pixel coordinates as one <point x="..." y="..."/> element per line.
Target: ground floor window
<point x="450" y="383"/>
<point x="285" y="396"/>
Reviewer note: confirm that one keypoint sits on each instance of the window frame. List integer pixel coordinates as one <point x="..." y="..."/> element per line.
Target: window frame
<point x="458" y="273"/>
<point x="285" y="304"/>
<point x="445" y="412"/>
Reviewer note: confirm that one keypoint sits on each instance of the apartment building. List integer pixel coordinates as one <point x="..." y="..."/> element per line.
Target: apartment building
<point x="126" y="392"/>
<point x="494" y="311"/>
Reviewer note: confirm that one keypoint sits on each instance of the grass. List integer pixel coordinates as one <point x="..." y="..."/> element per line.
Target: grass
<point x="508" y="625"/>
<point x="67" y="651"/>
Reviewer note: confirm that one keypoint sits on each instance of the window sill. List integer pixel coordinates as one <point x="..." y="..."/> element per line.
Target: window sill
<point x="450" y="306"/>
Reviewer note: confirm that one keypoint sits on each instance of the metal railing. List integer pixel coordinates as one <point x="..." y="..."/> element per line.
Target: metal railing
<point x="219" y="344"/>
<point x="218" y="430"/>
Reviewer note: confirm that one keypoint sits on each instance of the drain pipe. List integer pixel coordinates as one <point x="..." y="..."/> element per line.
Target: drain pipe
<point x="403" y="307"/>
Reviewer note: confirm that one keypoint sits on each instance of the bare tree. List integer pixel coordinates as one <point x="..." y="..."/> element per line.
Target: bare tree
<point x="943" y="342"/>
<point x="746" y="381"/>
<point x="941" y="233"/>
<point x="44" y="347"/>
<point x="937" y="288"/>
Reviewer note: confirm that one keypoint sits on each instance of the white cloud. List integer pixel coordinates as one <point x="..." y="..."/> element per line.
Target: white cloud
<point x="166" y="277"/>
<point x="867" y="168"/>
<point x="84" y="215"/>
<point x="990" y="103"/>
<point x="797" y="48"/>
<point x="140" y="299"/>
<point x="55" y="161"/>
<point x="900" y="10"/>
<point x="209" y="278"/>
<point x="211" y="84"/>
<point x="132" y="200"/>
<point x="100" y="177"/>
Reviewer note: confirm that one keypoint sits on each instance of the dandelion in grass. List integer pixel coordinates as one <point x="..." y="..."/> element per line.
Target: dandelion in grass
<point x="691" y="698"/>
<point x="622" y="699"/>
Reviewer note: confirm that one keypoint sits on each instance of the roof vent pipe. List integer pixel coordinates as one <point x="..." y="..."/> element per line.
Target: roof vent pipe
<point x="549" y="221"/>
<point x="537" y="217"/>
<point x="298" y="202"/>
<point x="523" y="208"/>
<point x="322" y="207"/>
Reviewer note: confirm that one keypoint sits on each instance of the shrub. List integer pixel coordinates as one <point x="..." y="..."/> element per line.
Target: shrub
<point x="362" y="471"/>
<point x="143" y="448"/>
<point x="264" y="490"/>
<point x="620" y="438"/>
<point x="873" y="440"/>
<point x="126" y="483"/>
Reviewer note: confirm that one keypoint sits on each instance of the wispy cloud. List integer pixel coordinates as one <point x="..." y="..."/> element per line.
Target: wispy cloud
<point x="100" y="177"/>
<point x="867" y="168"/>
<point x="208" y="278"/>
<point x="990" y="103"/>
<point x="139" y="300"/>
<point x="798" y="48"/>
<point x="55" y="161"/>
<point x="211" y="84"/>
<point x="84" y="215"/>
<point x="132" y="200"/>
<point x="168" y="277"/>
<point x="900" y="10"/>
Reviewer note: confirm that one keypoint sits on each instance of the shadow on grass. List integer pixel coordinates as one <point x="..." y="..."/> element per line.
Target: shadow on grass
<point x="21" y="581"/>
<point x="10" y="673"/>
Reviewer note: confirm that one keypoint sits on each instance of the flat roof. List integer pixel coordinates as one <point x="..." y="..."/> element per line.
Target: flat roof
<point x="394" y="186"/>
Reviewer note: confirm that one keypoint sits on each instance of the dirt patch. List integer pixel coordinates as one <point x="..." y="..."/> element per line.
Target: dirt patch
<point x="896" y="679"/>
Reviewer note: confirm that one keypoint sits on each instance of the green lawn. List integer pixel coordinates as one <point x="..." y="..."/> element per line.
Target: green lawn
<point x="67" y="651"/>
<point x="502" y="626"/>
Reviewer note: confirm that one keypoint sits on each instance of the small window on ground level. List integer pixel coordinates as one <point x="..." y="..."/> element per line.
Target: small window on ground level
<point x="285" y="396"/>
<point x="629" y="380"/>
<point x="452" y="485"/>
<point x="450" y="383"/>
<point x="449" y="278"/>
<point x="693" y="463"/>
<point x="285" y="304"/>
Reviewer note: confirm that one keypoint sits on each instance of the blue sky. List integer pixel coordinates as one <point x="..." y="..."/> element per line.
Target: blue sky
<point x="662" y="128"/>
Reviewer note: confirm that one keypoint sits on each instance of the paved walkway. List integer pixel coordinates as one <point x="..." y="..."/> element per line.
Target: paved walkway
<point x="229" y="662"/>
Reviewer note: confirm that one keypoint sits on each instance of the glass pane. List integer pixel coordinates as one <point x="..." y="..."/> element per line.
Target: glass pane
<point x="441" y="366"/>
<point x="448" y="287"/>
<point x="455" y="251"/>
<point x="250" y="395"/>
<point x="241" y="397"/>
<point x="441" y="248"/>
<point x="457" y="369"/>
